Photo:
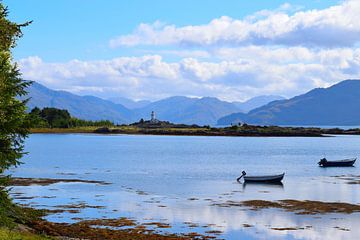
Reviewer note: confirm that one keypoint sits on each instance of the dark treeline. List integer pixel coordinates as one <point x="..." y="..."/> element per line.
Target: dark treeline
<point x="60" y="118"/>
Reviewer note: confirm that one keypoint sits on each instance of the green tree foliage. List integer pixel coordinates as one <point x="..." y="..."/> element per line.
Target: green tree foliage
<point x="36" y="119"/>
<point x="14" y="122"/>
<point x="59" y="118"/>
<point x="13" y="119"/>
<point x="84" y="123"/>
<point x="56" y="118"/>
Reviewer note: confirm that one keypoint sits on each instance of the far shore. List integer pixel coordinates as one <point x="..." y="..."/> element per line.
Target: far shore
<point x="193" y="130"/>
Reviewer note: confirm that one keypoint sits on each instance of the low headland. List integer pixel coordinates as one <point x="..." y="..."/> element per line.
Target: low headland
<point x="167" y="128"/>
<point x="52" y="120"/>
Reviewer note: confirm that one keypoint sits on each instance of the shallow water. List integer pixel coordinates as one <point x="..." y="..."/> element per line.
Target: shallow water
<point x="176" y="179"/>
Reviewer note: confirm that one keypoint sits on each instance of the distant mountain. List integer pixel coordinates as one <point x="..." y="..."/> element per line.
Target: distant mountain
<point x="129" y="103"/>
<point x="256" y="102"/>
<point x="231" y="119"/>
<point x="83" y="107"/>
<point x="201" y="111"/>
<point x="337" y="105"/>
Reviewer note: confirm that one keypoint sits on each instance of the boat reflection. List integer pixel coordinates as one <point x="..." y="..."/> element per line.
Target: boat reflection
<point x="278" y="185"/>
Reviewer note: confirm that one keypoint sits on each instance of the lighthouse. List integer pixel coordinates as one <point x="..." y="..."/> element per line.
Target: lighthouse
<point x="153" y="118"/>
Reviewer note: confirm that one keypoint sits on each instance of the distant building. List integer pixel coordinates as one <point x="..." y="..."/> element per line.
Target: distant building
<point x="238" y="123"/>
<point x="153" y="118"/>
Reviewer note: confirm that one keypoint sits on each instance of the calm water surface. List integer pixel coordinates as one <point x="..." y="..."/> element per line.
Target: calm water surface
<point x="176" y="179"/>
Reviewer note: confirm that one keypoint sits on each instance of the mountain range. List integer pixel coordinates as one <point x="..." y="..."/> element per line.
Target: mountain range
<point x="83" y="107"/>
<point x="178" y="109"/>
<point x="338" y="105"/>
<point x="129" y="103"/>
<point x="256" y="102"/>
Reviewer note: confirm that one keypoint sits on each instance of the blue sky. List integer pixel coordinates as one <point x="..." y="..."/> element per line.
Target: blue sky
<point x="230" y="49"/>
<point x="67" y="29"/>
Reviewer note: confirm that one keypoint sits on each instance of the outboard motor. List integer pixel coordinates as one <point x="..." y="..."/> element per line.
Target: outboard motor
<point x="322" y="161"/>
<point x="243" y="173"/>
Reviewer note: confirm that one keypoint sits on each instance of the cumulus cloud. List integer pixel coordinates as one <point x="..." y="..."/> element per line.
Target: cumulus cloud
<point x="237" y="74"/>
<point x="331" y="27"/>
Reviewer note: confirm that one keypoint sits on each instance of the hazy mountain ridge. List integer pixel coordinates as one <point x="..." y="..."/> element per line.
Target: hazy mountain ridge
<point x="83" y="107"/>
<point x="336" y="105"/>
<point x="201" y="111"/>
<point x="179" y="109"/>
<point x="256" y="102"/>
<point x="129" y="103"/>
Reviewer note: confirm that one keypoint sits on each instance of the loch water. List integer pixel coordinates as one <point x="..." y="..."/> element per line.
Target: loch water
<point x="177" y="180"/>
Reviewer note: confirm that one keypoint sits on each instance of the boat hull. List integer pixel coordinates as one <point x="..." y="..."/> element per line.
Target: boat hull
<point x="342" y="163"/>
<point x="265" y="179"/>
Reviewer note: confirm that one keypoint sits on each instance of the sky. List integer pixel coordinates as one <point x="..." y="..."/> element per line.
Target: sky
<point x="229" y="49"/>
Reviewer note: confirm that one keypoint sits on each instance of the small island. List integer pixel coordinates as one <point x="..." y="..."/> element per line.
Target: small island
<point x="51" y="120"/>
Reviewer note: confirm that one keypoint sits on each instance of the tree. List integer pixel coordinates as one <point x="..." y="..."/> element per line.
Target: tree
<point x="14" y="123"/>
<point x="57" y="118"/>
<point x="60" y="118"/>
<point x="36" y="119"/>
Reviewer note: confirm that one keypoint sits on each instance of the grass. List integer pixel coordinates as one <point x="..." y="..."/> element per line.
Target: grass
<point x="12" y="216"/>
<point x="7" y="234"/>
<point x="64" y="130"/>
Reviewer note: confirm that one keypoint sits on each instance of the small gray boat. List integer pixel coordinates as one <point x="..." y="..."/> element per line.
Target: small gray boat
<point x="265" y="178"/>
<point x="339" y="163"/>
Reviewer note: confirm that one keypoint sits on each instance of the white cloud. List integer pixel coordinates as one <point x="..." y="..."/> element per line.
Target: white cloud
<point x="286" y="51"/>
<point x="334" y="26"/>
<point x="237" y="74"/>
<point x="180" y="53"/>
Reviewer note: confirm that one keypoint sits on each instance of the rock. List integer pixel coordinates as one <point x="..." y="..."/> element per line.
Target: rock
<point x="102" y="130"/>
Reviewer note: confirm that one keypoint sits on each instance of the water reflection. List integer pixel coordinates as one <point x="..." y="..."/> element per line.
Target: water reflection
<point x="178" y="179"/>
<point x="265" y="185"/>
<point x="262" y="223"/>
<point x="234" y="222"/>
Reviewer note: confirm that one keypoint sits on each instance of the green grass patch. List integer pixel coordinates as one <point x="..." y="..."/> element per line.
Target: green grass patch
<point x="8" y="234"/>
<point x="64" y="130"/>
<point x="12" y="214"/>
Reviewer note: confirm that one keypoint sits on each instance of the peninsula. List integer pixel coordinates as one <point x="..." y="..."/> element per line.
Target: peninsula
<point x="166" y="128"/>
<point x="52" y="120"/>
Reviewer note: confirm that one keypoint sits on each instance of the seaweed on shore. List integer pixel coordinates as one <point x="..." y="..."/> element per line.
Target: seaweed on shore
<point x="110" y="229"/>
<point x="350" y="179"/>
<point x="296" y="206"/>
<point x="18" y="181"/>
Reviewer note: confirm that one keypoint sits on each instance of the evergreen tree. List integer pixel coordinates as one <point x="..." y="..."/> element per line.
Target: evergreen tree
<point x="14" y="123"/>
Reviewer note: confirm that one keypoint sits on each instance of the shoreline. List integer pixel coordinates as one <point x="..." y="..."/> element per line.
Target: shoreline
<point x="121" y="227"/>
<point x="131" y="228"/>
<point x="36" y="227"/>
<point x="235" y="131"/>
<point x="197" y="131"/>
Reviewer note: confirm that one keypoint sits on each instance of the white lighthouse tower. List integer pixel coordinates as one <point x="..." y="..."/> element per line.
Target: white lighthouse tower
<point x="153" y="118"/>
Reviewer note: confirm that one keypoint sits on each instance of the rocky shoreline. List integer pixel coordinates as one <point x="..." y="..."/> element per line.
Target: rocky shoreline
<point x="166" y="128"/>
<point x="128" y="228"/>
